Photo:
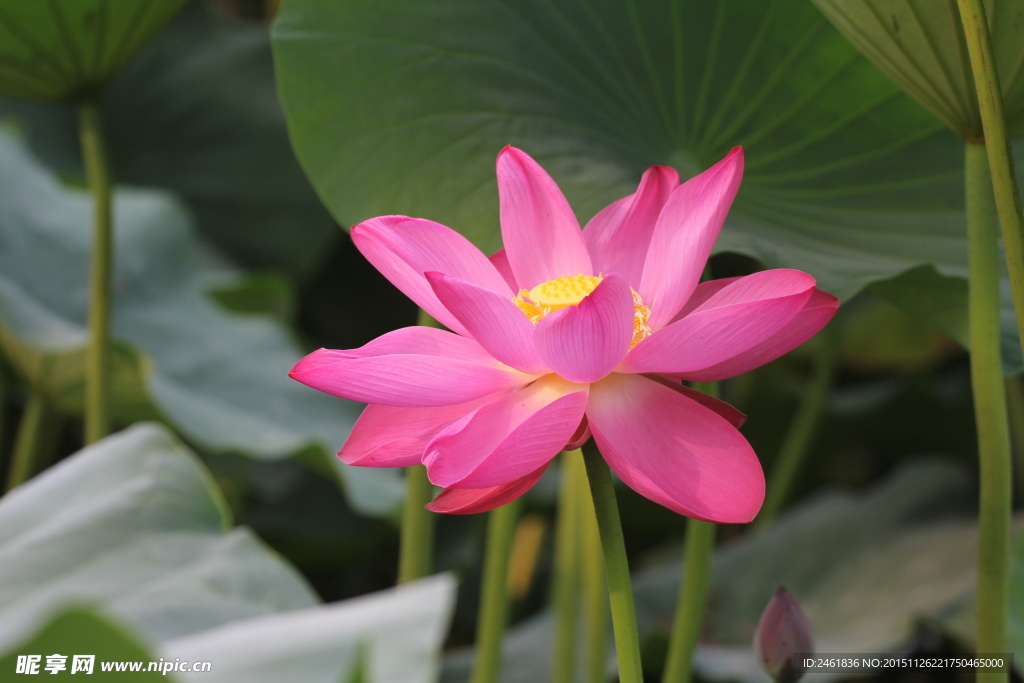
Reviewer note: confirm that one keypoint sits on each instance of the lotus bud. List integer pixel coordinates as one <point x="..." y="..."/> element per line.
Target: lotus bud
<point x="782" y="632"/>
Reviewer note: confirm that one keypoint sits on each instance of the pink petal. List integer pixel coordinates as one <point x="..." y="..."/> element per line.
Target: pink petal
<point x="815" y="314"/>
<point x="731" y="414"/>
<point x="542" y="237"/>
<point x="619" y="235"/>
<point x="499" y="260"/>
<point x="491" y="319"/>
<point x="583" y="343"/>
<point x="386" y="436"/>
<point x="735" y="319"/>
<point x="507" y="438"/>
<point x="471" y="501"/>
<point x="580" y="436"/>
<point x="684" y="235"/>
<point x="403" y="248"/>
<point x="674" y="450"/>
<point x="701" y="293"/>
<point x="414" y="366"/>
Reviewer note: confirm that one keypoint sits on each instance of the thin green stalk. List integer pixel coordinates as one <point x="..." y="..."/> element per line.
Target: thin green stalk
<point x="616" y="566"/>
<point x="989" y="409"/>
<point x="693" y="591"/>
<point x="799" y="434"/>
<point x="28" y="445"/>
<point x="415" y="557"/>
<point x="416" y="551"/>
<point x="493" y="615"/>
<point x="1015" y="408"/>
<point x="595" y="590"/>
<point x="693" y="595"/>
<point x="1000" y="158"/>
<point x="97" y="377"/>
<point x="4" y="390"/>
<point x="566" y="584"/>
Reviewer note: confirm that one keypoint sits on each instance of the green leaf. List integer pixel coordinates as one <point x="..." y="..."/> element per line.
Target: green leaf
<point x="920" y="45"/>
<point x="196" y="112"/>
<point x="134" y="523"/>
<point x="864" y="568"/>
<point x="846" y="178"/>
<point x="134" y="528"/>
<point x="82" y="631"/>
<point x="940" y="301"/>
<point x="218" y="378"/>
<point x="69" y="49"/>
<point x="394" y="636"/>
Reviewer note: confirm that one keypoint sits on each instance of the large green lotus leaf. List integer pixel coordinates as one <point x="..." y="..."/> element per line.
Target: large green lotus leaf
<point x="69" y="49"/>
<point x="920" y="45"/>
<point x="197" y="112"/>
<point x="134" y="528"/>
<point x="397" y="106"/>
<point x="864" y="567"/>
<point x="217" y="377"/>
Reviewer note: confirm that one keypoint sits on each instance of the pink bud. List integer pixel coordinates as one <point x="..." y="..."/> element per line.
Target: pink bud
<point x="782" y="632"/>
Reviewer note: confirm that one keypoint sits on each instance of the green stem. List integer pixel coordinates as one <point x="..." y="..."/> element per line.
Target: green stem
<point x="693" y="593"/>
<point x="416" y="551"/>
<point x="1015" y="408"/>
<point x="25" y="459"/>
<point x="989" y="409"/>
<point x="595" y="590"/>
<point x="415" y="557"/>
<point x="493" y="615"/>
<point x="565" y="583"/>
<point x="97" y="378"/>
<point x="616" y="566"/>
<point x="798" y="436"/>
<point x="1000" y="158"/>
<point x="700" y="547"/>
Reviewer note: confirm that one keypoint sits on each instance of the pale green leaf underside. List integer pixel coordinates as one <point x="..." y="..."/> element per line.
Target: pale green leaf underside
<point x="219" y="378"/>
<point x="64" y="49"/>
<point x="398" y="107"/>
<point x="920" y="45"/>
<point x="134" y="527"/>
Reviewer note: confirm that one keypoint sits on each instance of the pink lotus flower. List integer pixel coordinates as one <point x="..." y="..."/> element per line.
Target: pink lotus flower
<point x="567" y="333"/>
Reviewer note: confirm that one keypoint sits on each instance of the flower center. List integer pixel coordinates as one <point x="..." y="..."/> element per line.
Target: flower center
<point x="570" y="290"/>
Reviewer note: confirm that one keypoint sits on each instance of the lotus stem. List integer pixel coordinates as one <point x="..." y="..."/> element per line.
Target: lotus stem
<point x="492" y="617"/>
<point x="693" y="590"/>
<point x="415" y="559"/>
<point x="566" y="582"/>
<point x="28" y="445"/>
<point x="997" y="145"/>
<point x="97" y="374"/>
<point x="800" y="433"/>
<point x="1015" y="408"/>
<point x="994" y="457"/>
<point x="416" y="551"/>
<point x="616" y="566"/>
<point x="595" y="589"/>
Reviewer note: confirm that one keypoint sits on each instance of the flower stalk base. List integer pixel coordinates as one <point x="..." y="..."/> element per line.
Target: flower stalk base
<point x="616" y="566"/>
<point x="994" y="458"/>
